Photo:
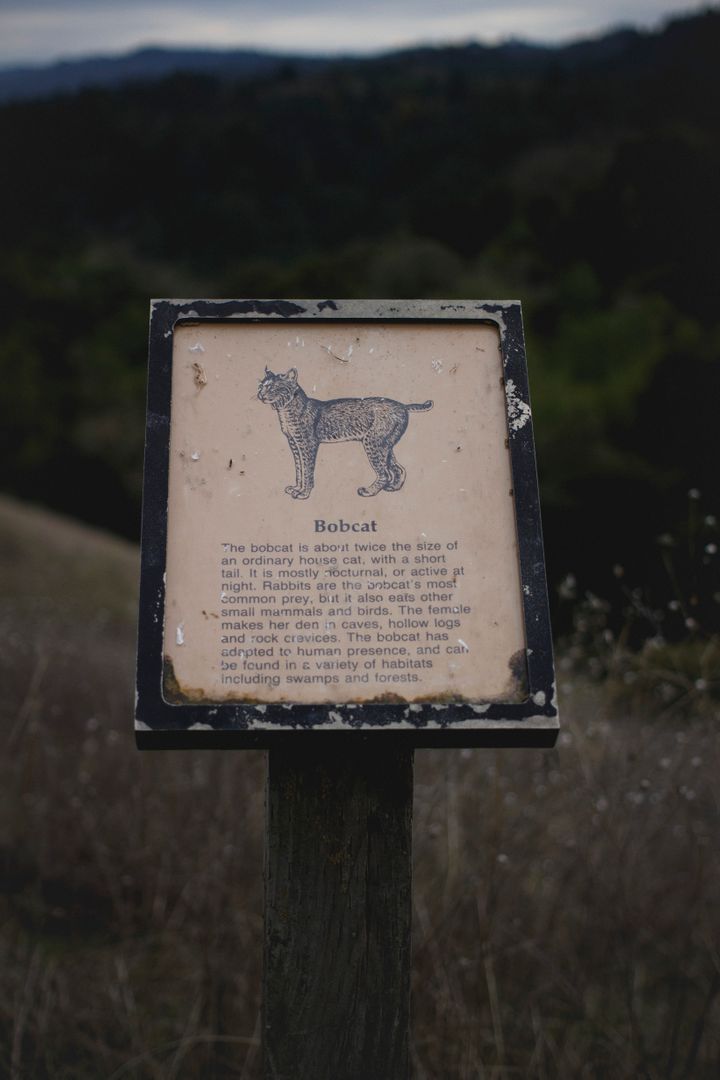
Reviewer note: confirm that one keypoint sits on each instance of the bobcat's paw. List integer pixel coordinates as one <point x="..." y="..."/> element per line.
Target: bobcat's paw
<point x="298" y="493"/>
<point x="367" y="492"/>
<point x="291" y="490"/>
<point x="395" y="484"/>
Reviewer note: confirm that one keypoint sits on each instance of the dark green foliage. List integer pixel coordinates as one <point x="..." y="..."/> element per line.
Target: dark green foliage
<point x="581" y="180"/>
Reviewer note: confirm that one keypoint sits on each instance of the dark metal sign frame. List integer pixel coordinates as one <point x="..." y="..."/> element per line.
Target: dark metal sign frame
<point x="159" y="724"/>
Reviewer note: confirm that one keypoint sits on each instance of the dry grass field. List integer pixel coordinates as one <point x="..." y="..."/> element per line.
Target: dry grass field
<point x="567" y="903"/>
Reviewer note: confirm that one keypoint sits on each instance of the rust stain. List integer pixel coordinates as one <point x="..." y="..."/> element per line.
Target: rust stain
<point x="518" y="687"/>
<point x="199" y="375"/>
<point x="176" y="694"/>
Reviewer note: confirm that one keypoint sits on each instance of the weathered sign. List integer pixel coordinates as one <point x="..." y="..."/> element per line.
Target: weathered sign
<point x="341" y="526"/>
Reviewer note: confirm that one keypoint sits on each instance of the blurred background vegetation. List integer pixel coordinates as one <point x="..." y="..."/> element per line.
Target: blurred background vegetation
<point x="581" y="180"/>
<point x="565" y="919"/>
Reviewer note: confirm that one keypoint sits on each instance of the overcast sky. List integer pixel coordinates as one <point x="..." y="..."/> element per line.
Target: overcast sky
<point x="42" y="30"/>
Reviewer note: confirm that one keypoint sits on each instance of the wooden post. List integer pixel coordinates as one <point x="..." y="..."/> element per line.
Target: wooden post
<point x="338" y="911"/>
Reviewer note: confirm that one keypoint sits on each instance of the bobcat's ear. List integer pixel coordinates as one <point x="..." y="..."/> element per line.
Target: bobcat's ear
<point x="292" y="374"/>
<point x="267" y="370"/>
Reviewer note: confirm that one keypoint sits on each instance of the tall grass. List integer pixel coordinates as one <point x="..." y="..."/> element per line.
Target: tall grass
<point x="567" y="905"/>
<point x="566" y="902"/>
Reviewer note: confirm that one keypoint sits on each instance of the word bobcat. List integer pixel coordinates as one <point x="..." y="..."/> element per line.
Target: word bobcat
<point x="345" y="526"/>
<point x="376" y="422"/>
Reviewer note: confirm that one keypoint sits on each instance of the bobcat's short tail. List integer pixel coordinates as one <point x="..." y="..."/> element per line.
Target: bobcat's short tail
<point x="421" y="408"/>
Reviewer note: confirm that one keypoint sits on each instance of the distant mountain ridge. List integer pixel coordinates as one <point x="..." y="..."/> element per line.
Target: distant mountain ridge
<point x="142" y="65"/>
<point x="154" y="63"/>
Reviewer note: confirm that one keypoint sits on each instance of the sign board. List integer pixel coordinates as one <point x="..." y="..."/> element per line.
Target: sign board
<point x="341" y="528"/>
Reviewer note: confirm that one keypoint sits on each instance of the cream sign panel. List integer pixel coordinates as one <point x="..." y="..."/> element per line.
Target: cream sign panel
<point x="341" y="522"/>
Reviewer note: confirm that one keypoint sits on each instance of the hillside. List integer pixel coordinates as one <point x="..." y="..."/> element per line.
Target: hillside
<point x="53" y="563"/>
<point x="67" y="623"/>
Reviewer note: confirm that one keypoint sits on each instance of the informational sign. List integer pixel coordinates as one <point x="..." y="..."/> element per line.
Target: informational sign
<point x="341" y="526"/>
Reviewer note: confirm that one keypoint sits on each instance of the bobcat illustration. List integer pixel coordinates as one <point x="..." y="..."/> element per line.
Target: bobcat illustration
<point x="376" y="422"/>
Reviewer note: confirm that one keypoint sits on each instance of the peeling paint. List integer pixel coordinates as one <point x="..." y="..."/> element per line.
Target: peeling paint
<point x="180" y="634"/>
<point x="519" y="411"/>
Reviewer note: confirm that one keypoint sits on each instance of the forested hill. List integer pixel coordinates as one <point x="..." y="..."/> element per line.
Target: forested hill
<point x="581" y="180"/>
